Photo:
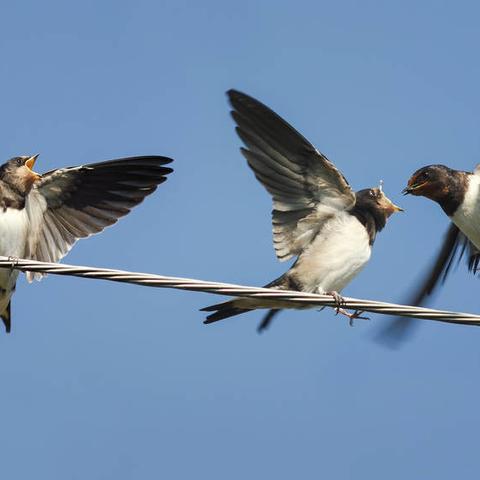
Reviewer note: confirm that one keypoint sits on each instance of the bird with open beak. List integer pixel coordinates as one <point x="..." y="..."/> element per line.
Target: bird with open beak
<point x="458" y="194"/>
<point x="42" y="216"/>
<point x="316" y="216"/>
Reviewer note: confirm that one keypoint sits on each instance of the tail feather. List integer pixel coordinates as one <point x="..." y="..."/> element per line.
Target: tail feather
<point x="222" y="311"/>
<point x="228" y="309"/>
<point x="6" y="318"/>
<point x="286" y="282"/>
<point x="267" y="320"/>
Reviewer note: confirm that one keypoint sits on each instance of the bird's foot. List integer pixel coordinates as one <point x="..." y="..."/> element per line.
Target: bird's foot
<point x="352" y="316"/>
<point x="339" y="301"/>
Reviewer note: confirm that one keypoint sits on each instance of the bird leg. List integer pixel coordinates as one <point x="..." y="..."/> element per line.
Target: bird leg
<point x="339" y="301"/>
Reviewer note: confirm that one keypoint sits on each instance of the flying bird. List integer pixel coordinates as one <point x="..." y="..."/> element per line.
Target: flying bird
<point x="316" y="216"/>
<point x="42" y="216"/>
<point x="458" y="194"/>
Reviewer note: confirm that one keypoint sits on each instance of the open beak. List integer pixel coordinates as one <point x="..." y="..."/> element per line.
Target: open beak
<point x="31" y="161"/>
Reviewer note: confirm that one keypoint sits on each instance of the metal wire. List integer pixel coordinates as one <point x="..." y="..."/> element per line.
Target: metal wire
<point x="292" y="299"/>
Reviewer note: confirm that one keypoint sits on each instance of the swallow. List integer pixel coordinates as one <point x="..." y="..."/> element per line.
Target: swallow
<point x="458" y="194"/>
<point x="316" y="216"/>
<point x="42" y="216"/>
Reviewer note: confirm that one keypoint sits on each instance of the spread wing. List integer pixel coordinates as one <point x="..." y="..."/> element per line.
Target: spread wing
<point x="75" y="202"/>
<point x="453" y="249"/>
<point x="306" y="187"/>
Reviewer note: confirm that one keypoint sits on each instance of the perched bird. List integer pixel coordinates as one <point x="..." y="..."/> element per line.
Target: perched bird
<point x="458" y="194"/>
<point x="316" y="216"/>
<point x="42" y="216"/>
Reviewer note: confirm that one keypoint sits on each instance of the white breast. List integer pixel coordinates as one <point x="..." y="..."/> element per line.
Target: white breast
<point x="336" y="255"/>
<point x="13" y="237"/>
<point x="13" y="232"/>
<point x="467" y="216"/>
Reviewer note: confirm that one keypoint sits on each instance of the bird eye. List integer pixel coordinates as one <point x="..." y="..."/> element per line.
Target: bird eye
<point x="372" y="193"/>
<point x="19" y="162"/>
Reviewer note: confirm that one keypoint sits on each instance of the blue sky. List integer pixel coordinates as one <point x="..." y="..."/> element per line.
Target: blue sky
<point x="107" y="381"/>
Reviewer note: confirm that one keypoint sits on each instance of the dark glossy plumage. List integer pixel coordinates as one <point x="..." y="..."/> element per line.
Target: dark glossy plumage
<point x="441" y="184"/>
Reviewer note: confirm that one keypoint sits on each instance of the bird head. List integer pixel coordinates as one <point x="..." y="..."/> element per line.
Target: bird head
<point x="432" y="181"/>
<point x="374" y="199"/>
<point x="18" y="173"/>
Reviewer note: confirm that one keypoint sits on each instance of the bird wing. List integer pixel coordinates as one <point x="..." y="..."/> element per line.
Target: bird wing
<point x="75" y="202"/>
<point x="306" y="187"/>
<point x="455" y="243"/>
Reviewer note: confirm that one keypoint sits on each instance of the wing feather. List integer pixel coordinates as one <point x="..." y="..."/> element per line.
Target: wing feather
<point x="306" y="187"/>
<point x="72" y="203"/>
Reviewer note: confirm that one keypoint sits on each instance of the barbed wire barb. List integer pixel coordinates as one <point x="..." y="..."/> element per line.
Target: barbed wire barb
<point x="292" y="299"/>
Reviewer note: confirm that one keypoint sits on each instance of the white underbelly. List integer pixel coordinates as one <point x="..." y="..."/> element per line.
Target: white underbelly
<point x="13" y="232"/>
<point x="467" y="216"/>
<point x="336" y="255"/>
<point x="13" y="237"/>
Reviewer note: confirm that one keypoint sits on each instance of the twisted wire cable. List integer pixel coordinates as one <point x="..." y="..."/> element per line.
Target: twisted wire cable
<point x="292" y="299"/>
